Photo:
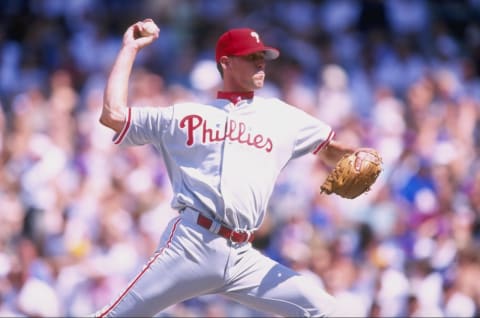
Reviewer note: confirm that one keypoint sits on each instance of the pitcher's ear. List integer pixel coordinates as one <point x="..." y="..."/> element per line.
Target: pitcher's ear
<point x="224" y="60"/>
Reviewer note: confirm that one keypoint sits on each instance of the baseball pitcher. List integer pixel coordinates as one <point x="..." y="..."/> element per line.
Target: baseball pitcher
<point x="223" y="158"/>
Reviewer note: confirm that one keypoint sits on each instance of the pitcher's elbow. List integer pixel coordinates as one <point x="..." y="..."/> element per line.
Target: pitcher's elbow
<point x="104" y="120"/>
<point x="112" y="120"/>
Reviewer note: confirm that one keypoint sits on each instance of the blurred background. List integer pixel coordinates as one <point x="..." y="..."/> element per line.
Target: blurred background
<point x="79" y="216"/>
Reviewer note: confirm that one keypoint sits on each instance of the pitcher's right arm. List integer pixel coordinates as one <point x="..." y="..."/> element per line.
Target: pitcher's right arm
<point x="116" y="91"/>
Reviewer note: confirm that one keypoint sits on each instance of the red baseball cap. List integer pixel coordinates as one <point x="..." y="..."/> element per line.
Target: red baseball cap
<point x="242" y="41"/>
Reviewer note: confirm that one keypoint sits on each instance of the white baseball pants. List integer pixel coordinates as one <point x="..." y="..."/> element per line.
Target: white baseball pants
<point x="192" y="261"/>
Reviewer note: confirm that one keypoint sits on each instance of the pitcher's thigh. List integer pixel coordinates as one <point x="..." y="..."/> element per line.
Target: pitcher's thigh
<point x="284" y="292"/>
<point x="168" y="278"/>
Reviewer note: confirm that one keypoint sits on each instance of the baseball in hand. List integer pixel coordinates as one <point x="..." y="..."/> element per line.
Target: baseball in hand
<point x="148" y="28"/>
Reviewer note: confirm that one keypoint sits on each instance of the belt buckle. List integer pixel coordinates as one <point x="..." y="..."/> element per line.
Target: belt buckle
<point x="240" y="231"/>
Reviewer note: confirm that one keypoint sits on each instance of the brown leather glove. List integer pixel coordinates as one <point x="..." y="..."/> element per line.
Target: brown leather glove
<point x="354" y="174"/>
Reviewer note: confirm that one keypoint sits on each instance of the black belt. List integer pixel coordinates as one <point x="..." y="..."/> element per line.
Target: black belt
<point x="237" y="236"/>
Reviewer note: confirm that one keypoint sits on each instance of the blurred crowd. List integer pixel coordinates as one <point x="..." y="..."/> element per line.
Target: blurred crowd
<point x="80" y="216"/>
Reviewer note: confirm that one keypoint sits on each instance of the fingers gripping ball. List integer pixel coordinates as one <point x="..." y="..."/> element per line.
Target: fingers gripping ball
<point x="354" y="174"/>
<point x="147" y="28"/>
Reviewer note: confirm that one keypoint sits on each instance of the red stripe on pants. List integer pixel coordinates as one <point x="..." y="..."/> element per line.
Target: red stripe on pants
<point x="147" y="266"/>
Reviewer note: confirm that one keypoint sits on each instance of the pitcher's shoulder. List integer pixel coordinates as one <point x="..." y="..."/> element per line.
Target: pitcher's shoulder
<point x="274" y="104"/>
<point x="186" y="105"/>
<point x="195" y="105"/>
<point x="269" y="101"/>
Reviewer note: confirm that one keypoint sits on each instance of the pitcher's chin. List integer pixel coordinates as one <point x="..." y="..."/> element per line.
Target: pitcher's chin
<point x="258" y="81"/>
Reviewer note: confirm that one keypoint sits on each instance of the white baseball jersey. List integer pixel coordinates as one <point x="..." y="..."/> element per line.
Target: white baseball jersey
<point x="223" y="159"/>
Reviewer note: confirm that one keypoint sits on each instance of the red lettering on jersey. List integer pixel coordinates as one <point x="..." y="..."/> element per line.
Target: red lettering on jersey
<point x="192" y="122"/>
<point x="234" y="131"/>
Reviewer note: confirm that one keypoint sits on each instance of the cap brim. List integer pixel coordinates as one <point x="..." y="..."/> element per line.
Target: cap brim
<point x="270" y="52"/>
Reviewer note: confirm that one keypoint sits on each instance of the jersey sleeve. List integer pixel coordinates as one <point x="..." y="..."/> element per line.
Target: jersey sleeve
<point x="143" y="125"/>
<point x="312" y="134"/>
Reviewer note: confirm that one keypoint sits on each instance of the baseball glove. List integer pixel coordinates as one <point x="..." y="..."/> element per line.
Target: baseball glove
<point x="354" y="174"/>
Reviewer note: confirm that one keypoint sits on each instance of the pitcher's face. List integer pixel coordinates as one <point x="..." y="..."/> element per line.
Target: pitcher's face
<point x="247" y="73"/>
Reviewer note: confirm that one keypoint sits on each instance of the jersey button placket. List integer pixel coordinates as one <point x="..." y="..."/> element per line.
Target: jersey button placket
<point x="227" y="163"/>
